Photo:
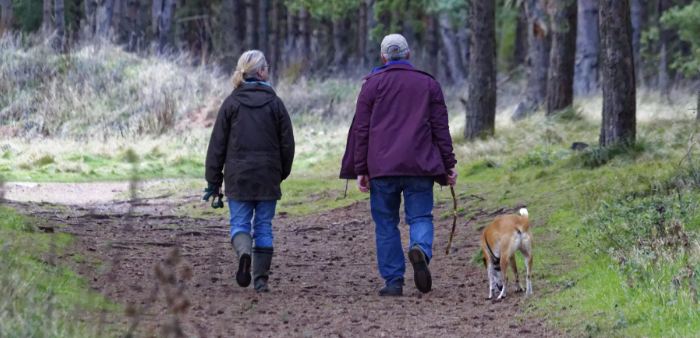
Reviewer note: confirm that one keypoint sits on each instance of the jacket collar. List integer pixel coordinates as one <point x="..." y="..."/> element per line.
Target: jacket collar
<point x="391" y="63"/>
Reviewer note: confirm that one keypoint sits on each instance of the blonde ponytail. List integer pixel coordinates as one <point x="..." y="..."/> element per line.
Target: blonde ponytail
<point x="248" y="66"/>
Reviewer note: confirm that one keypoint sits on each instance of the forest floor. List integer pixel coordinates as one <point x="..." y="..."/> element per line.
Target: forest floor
<point x="324" y="277"/>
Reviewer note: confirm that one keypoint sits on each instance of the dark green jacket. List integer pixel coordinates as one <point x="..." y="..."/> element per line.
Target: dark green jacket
<point x="253" y="143"/>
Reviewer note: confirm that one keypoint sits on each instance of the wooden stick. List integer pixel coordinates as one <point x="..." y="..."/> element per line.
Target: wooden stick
<point x="454" y="221"/>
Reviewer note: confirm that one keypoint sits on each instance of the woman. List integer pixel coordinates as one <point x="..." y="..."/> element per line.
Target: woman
<point x="253" y="140"/>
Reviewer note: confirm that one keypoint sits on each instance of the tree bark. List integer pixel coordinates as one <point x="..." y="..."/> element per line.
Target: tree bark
<point x="251" y="24"/>
<point x="520" y="53"/>
<point x="587" y="49"/>
<point x="637" y="13"/>
<point x="432" y="45"/>
<point x="290" y="45"/>
<point x="665" y="35"/>
<point x="448" y="40"/>
<point x="47" y="22"/>
<point x="618" y="82"/>
<point x="539" y="44"/>
<point x="116" y="19"/>
<point x="560" y="83"/>
<point x="262" y="23"/>
<point x="305" y="45"/>
<point x="464" y="36"/>
<point x="60" y="21"/>
<point x="372" y="47"/>
<point x="339" y="42"/>
<point x="105" y="10"/>
<point x="407" y="26"/>
<point x="697" y="107"/>
<point x="135" y="30"/>
<point x="275" y="40"/>
<point x="6" y="18"/>
<point x="166" y="18"/>
<point x="362" y="33"/>
<point x="481" y="108"/>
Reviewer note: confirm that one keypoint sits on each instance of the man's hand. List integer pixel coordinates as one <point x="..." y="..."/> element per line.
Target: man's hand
<point x="363" y="183"/>
<point x="452" y="177"/>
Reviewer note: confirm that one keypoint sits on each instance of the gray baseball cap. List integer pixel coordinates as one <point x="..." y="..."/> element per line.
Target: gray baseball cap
<point x="394" y="44"/>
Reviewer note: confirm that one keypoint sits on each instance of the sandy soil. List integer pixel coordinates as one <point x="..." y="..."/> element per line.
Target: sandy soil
<point x="324" y="277"/>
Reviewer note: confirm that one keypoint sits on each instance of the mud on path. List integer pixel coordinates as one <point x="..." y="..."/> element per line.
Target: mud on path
<point x="324" y="277"/>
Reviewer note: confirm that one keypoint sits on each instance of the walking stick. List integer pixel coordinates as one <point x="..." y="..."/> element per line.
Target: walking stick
<point x="454" y="221"/>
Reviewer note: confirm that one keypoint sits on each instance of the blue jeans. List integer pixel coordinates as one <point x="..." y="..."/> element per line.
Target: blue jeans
<point x="385" y="201"/>
<point x="242" y="214"/>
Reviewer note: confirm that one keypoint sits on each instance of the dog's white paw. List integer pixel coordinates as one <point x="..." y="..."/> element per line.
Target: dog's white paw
<point x="519" y="288"/>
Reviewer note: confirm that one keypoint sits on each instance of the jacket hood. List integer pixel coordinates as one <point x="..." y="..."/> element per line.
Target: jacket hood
<point x="254" y="94"/>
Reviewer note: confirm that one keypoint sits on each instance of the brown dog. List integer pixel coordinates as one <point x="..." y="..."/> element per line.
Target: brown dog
<point x="500" y="240"/>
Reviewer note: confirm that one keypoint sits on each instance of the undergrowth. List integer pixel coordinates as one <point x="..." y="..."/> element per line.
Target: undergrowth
<point x="41" y="299"/>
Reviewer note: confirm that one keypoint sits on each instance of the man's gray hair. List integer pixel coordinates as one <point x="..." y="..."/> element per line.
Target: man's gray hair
<point x="396" y="55"/>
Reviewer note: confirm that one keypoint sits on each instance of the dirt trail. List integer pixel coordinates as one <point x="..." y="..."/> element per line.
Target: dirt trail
<point x="324" y="278"/>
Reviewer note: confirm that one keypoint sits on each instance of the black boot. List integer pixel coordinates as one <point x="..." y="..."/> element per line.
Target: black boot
<point x="262" y="259"/>
<point x="242" y="244"/>
<point x="421" y="273"/>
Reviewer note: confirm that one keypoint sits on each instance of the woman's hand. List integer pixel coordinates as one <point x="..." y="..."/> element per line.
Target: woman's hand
<point x="452" y="177"/>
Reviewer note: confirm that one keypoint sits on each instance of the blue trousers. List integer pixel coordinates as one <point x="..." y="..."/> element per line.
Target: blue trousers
<point x="385" y="201"/>
<point x="242" y="214"/>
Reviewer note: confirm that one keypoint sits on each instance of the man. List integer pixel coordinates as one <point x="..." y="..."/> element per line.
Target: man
<point x="400" y="141"/>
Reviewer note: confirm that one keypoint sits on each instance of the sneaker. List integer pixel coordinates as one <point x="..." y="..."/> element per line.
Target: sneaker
<point x="395" y="289"/>
<point x="421" y="273"/>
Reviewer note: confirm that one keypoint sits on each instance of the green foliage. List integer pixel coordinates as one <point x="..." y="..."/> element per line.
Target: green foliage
<point x="38" y="299"/>
<point x="687" y="21"/>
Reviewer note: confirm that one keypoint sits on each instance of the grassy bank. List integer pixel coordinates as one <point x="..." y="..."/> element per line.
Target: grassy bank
<point x="39" y="298"/>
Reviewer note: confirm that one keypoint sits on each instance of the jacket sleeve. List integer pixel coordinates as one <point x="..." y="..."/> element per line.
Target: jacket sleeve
<point x="285" y="135"/>
<point x="363" y="115"/>
<point x="439" y="122"/>
<point x="218" y="144"/>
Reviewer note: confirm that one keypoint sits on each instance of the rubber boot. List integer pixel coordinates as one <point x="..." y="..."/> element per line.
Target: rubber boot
<point x="262" y="259"/>
<point x="242" y="244"/>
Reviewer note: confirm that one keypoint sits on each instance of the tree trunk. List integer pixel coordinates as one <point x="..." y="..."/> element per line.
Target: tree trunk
<point x="290" y="45"/>
<point x="450" y="43"/>
<point x="105" y="10"/>
<point x="562" y="59"/>
<point x="538" y="46"/>
<point x="697" y="107"/>
<point x="166" y="18"/>
<point x="520" y="53"/>
<point x="362" y="33"/>
<point x="463" y="36"/>
<point x="251" y="23"/>
<point x="47" y="22"/>
<point x="275" y="40"/>
<point x="481" y="108"/>
<point x="135" y="30"/>
<point x="262" y="23"/>
<point x="587" y="49"/>
<point x="116" y="19"/>
<point x="407" y="27"/>
<point x="432" y="45"/>
<point x="60" y="21"/>
<point x="305" y="45"/>
<point x="637" y="13"/>
<point x="156" y="13"/>
<point x="617" y="61"/>
<point x="665" y="35"/>
<point x="6" y="18"/>
<point x="372" y="47"/>
<point x="339" y="43"/>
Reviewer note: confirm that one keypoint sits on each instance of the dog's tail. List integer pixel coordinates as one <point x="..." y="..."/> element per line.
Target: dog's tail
<point x="526" y="220"/>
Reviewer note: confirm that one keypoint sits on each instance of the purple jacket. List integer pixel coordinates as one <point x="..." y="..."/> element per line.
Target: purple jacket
<point x="400" y="127"/>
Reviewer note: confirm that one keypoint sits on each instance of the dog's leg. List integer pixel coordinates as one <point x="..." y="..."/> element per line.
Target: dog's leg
<point x="528" y="264"/>
<point x="504" y="270"/>
<point x="514" y="267"/>
<point x="492" y="282"/>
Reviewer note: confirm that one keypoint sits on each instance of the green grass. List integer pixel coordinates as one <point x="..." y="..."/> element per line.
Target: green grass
<point x="41" y="299"/>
